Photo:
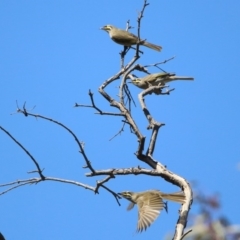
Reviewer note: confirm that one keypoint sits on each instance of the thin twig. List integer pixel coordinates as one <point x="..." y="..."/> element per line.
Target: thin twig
<point x="119" y="132"/>
<point x="26" y="151"/>
<point x="184" y="235"/>
<point x="114" y="194"/>
<point x="163" y="62"/>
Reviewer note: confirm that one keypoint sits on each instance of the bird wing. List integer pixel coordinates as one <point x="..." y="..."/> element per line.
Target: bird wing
<point x="130" y="206"/>
<point x="159" y="77"/>
<point x="148" y="210"/>
<point x="124" y="37"/>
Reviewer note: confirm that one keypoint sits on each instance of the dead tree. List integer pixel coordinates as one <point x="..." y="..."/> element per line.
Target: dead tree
<point x="123" y="105"/>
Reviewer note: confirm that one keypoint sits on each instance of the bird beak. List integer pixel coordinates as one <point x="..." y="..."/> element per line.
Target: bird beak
<point x="103" y="28"/>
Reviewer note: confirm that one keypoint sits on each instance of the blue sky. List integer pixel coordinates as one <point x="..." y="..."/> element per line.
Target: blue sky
<point x="52" y="53"/>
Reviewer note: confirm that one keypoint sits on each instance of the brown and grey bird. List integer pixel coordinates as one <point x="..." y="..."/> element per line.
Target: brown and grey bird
<point x="156" y="79"/>
<point x="150" y="203"/>
<point x="126" y="38"/>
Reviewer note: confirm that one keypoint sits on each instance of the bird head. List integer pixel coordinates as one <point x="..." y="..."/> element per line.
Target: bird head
<point x="127" y="195"/>
<point x="136" y="81"/>
<point x="139" y="83"/>
<point x="107" y="28"/>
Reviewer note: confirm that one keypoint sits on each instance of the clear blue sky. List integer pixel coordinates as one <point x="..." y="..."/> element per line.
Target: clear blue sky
<point x="52" y="53"/>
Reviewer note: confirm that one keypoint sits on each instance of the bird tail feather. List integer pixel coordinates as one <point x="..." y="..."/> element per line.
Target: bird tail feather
<point x="175" y="197"/>
<point x="180" y="78"/>
<point x="152" y="46"/>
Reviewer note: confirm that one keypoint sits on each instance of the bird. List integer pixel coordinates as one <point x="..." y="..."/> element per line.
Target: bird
<point x="157" y="79"/>
<point x="126" y="38"/>
<point x="150" y="203"/>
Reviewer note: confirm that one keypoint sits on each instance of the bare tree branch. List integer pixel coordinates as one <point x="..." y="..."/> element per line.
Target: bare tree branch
<point x="163" y="62"/>
<point x="119" y="132"/>
<point x="24" y="111"/>
<point x="20" y="183"/>
<point x="95" y="107"/>
<point x="26" y="151"/>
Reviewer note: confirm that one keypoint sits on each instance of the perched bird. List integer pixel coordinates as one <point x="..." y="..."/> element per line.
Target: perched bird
<point x="150" y="204"/>
<point x="126" y="38"/>
<point x="157" y="79"/>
